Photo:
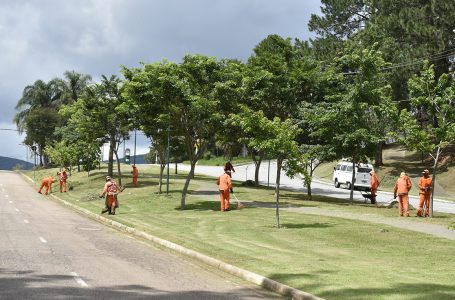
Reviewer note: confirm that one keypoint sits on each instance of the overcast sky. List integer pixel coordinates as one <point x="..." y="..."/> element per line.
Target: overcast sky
<point x="42" y="39"/>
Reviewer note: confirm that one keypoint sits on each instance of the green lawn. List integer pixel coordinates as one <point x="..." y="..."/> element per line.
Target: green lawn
<point x="334" y="258"/>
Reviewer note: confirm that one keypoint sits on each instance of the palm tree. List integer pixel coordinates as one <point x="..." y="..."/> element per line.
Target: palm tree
<point x="73" y="86"/>
<point x="37" y="113"/>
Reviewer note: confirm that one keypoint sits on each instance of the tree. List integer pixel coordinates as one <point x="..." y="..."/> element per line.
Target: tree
<point x="100" y="116"/>
<point x="152" y="93"/>
<point x="435" y="97"/>
<point x="181" y="96"/>
<point x="73" y="85"/>
<point x="273" y="137"/>
<point x="267" y="85"/>
<point x="356" y="95"/>
<point x="37" y="114"/>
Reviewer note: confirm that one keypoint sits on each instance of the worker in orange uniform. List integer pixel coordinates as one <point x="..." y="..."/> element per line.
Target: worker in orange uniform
<point x="402" y="187"/>
<point x="135" y="175"/>
<point x="63" y="175"/>
<point x="224" y="185"/>
<point x="425" y="188"/>
<point x="374" y="184"/>
<point x="110" y="191"/>
<point x="47" y="182"/>
<point x="229" y="168"/>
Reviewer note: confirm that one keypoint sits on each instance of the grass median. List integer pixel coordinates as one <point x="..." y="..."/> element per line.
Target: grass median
<point x="334" y="258"/>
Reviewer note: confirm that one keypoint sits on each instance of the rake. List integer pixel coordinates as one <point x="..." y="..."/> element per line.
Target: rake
<point x="239" y="204"/>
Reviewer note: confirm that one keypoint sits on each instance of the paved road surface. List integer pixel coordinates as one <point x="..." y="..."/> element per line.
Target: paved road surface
<point x="50" y="252"/>
<point x="245" y="172"/>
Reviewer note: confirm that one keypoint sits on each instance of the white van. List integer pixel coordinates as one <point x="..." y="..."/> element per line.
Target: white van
<point x="342" y="174"/>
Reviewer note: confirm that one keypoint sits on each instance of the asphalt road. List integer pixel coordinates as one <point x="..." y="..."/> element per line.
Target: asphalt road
<point x="266" y="177"/>
<point x="47" y="251"/>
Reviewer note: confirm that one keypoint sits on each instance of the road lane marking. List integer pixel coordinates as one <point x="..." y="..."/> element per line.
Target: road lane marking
<point x="10" y="201"/>
<point x="79" y="279"/>
<point x="6" y="196"/>
<point x="26" y="221"/>
<point x="42" y="240"/>
<point x="17" y="210"/>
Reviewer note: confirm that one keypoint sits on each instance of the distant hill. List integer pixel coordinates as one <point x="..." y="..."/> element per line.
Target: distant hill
<point x="8" y="163"/>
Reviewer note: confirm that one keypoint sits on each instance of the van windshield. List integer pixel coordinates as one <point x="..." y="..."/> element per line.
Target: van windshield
<point x="364" y="170"/>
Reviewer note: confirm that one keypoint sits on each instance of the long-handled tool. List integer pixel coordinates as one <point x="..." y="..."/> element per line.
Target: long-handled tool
<point x="239" y="204"/>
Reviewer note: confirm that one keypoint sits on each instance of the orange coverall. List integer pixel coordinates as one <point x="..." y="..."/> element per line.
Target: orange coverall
<point x="63" y="176"/>
<point x="425" y="184"/>
<point x="111" y="196"/>
<point x="402" y="187"/>
<point x="135" y="175"/>
<point x="224" y="185"/>
<point x="374" y="184"/>
<point x="47" y="182"/>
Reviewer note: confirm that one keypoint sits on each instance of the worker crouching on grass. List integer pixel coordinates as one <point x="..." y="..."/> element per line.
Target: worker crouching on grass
<point x="47" y="182"/>
<point x="425" y="186"/>
<point x="110" y="191"/>
<point x="402" y="187"/>
<point x="224" y="183"/>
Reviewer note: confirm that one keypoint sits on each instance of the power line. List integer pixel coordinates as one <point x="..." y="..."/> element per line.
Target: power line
<point x="435" y="57"/>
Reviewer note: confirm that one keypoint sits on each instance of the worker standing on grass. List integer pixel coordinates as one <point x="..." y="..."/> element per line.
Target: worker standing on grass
<point x="135" y="175"/>
<point x="47" y="182"/>
<point x="229" y="168"/>
<point x="374" y="184"/>
<point x="63" y="175"/>
<point x="402" y="187"/>
<point x="425" y="186"/>
<point x="224" y="185"/>
<point x="110" y="191"/>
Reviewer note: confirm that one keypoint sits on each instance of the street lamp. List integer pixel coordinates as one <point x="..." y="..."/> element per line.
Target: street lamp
<point x="167" y="158"/>
<point x="134" y="158"/>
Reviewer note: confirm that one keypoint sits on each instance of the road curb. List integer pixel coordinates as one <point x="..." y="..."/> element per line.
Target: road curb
<point x="257" y="279"/>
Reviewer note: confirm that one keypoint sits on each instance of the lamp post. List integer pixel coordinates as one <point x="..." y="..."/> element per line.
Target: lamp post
<point x="134" y="158"/>
<point x="167" y="158"/>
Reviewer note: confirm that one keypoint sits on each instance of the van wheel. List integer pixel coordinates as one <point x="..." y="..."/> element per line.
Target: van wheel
<point x="336" y="183"/>
<point x="348" y="185"/>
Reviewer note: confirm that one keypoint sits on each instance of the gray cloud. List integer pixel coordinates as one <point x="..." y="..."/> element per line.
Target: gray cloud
<point x="42" y="39"/>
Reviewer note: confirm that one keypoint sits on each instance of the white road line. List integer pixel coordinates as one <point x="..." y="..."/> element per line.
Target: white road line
<point x="26" y="221"/>
<point x="42" y="240"/>
<point x="17" y="209"/>
<point x="6" y="196"/>
<point x="79" y="279"/>
<point x="10" y="201"/>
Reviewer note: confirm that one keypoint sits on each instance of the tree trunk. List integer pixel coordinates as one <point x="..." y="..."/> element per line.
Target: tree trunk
<point x="110" y="163"/>
<point x="257" y="165"/>
<point x="378" y="161"/>
<point x="308" y="187"/>
<point x="435" y="167"/>
<point x="118" y="169"/>
<point x="279" y="162"/>
<point x="160" y="185"/>
<point x="187" y="184"/>
<point x="175" y="171"/>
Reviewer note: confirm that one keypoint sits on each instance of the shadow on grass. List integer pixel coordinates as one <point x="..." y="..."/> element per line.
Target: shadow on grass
<point x="306" y="225"/>
<point x="202" y="205"/>
<point x="205" y="193"/>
